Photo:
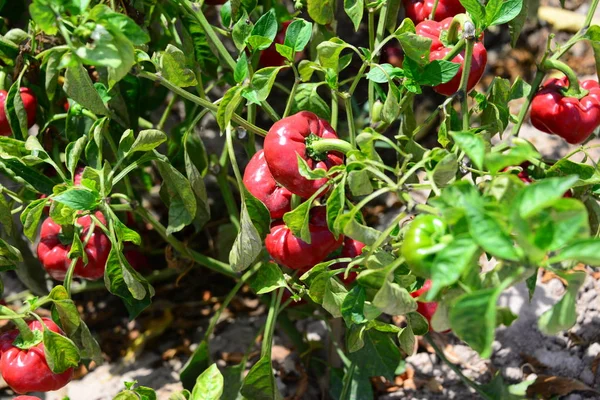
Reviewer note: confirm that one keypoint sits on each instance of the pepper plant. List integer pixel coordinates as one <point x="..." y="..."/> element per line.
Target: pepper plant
<point x="327" y="128"/>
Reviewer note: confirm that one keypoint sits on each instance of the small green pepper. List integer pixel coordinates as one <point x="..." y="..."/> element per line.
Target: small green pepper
<point x="421" y="242"/>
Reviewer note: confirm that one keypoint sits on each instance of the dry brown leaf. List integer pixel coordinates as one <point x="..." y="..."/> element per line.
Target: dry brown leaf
<point x="563" y="20"/>
<point x="550" y="386"/>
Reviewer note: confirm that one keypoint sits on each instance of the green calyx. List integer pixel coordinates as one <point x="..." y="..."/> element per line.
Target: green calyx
<point x="24" y="343"/>
<point x="318" y="147"/>
<point x="574" y="90"/>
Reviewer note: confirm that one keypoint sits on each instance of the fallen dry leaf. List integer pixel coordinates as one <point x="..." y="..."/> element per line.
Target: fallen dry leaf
<point x="550" y="386"/>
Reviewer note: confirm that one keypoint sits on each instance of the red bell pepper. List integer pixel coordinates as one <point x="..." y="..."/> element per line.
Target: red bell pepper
<point x="526" y="179"/>
<point x="420" y="10"/>
<point x="30" y="104"/>
<point x="26" y="398"/>
<point x="292" y="252"/>
<point x="556" y="112"/>
<point x="426" y="309"/>
<point x="53" y="253"/>
<point x="27" y="370"/>
<point x="259" y="181"/>
<point x="433" y="30"/>
<point x="288" y="138"/>
<point x="270" y="57"/>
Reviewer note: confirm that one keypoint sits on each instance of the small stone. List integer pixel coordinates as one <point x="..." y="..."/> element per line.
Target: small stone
<point x="587" y="376"/>
<point x="422" y="363"/>
<point x="593" y="350"/>
<point x="512" y="373"/>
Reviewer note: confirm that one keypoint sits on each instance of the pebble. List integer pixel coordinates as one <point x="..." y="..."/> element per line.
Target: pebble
<point x="587" y="376"/>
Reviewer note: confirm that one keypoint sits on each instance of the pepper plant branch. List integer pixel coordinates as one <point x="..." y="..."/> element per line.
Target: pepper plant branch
<point x="201" y="259"/>
<point x="17" y="319"/>
<point x="292" y="94"/>
<point x="574" y="88"/>
<point x="198" y="15"/>
<point x="222" y="180"/>
<point x="464" y="79"/>
<point x="434" y="9"/>
<point x="350" y="118"/>
<point x="201" y="102"/>
<point x="457" y="48"/>
<point x="454" y="368"/>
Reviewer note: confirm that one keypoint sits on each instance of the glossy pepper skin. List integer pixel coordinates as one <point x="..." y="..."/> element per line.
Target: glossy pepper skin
<point x="420" y="10"/>
<point x="285" y="139"/>
<point x="292" y="252"/>
<point x="259" y="181"/>
<point x="568" y="117"/>
<point x="270" y="57"/>
<point x="30" y="103"/>
<point x="54" y="255"/>
<point x="423" y="233"/>
<point x="26" y="398"/>
<point x="433" y="30"/>
<point x="27" y="370"/>
<point x="426" y="309"/>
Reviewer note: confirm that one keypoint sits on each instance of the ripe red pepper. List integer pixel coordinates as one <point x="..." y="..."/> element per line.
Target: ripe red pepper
<point x="292" y="252"/>
<point x="53" y="254"/>
<point x="426" y="309"/>
<point x="27" y="370"/>
<point x="30" y="103"/>
<point x="26" y="398"/>
<point x="288" y="138"/>
<point x="420" y="10"/>
<point x="433" y="30"/>
<point x="259" y="181"/>
<point x="270" y="57"/>
<point x="352" y="248"/>
<point x="573" y="119"/>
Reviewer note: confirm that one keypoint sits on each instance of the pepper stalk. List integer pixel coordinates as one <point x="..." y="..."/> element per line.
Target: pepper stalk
<point x="574" y="89"/>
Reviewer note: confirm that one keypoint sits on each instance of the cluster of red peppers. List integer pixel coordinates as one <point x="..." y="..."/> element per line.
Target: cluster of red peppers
<point x="24" y="368"/>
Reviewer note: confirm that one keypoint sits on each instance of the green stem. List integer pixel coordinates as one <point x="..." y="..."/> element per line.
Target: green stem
<point x="348" y="382"/>
<point x="290" y="102"/>
<point x="69" y="275"/>
<point x="454" y="368"/>
<point x="24" y="330"/>
<point x="223" y="182"/>
<point x="455" y="25"/>
<point x="358" y="77"/>
<point x="381" y="23"/>
<point x="371" y="88"/>
<point x="165" y="115"/>
<point x="270" y="324"/>
<point x="574" y="89"/>
<point x="457" y="48"/>
<point x="201" y="259"/>
<point x="234" y="165"/>
<point x="537" y="81"/>
<point x="210" y="33"/>
<point x="350" y="118"/>
<point x="464" y="82"/>
<point x="201" y="102"/>
<point x="324" y="145"/>
<point x="434" y="9"/>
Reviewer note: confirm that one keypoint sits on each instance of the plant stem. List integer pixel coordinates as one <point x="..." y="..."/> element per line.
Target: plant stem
<point x="574" y="88"/>
<point x="350" y="118"/>
<point x="223" y="182"/>
<point x="433" y="10"/>
<point x="270" y="323"/>
<point x="24" y="330"/>
<point x="464" y="82"/>
<point x="347" y="381"/>
<point x="537" y="81"/>
<point x="290" y="102"/>
<point x="198" y="15"/>
<point x="324" y="145"/>
<point x="371" y="48"/>
<point x="454" y="368"/>
<point x="201" y="259"/>
<point x="165" y="115"/>
<point x="358" y="77"/>
<point x="234" y="165"/>
<point x="69" y="275"/>
<point x="201" y="102"/>
<point x="334" y="109"/>
<point x="457" y="48"/>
